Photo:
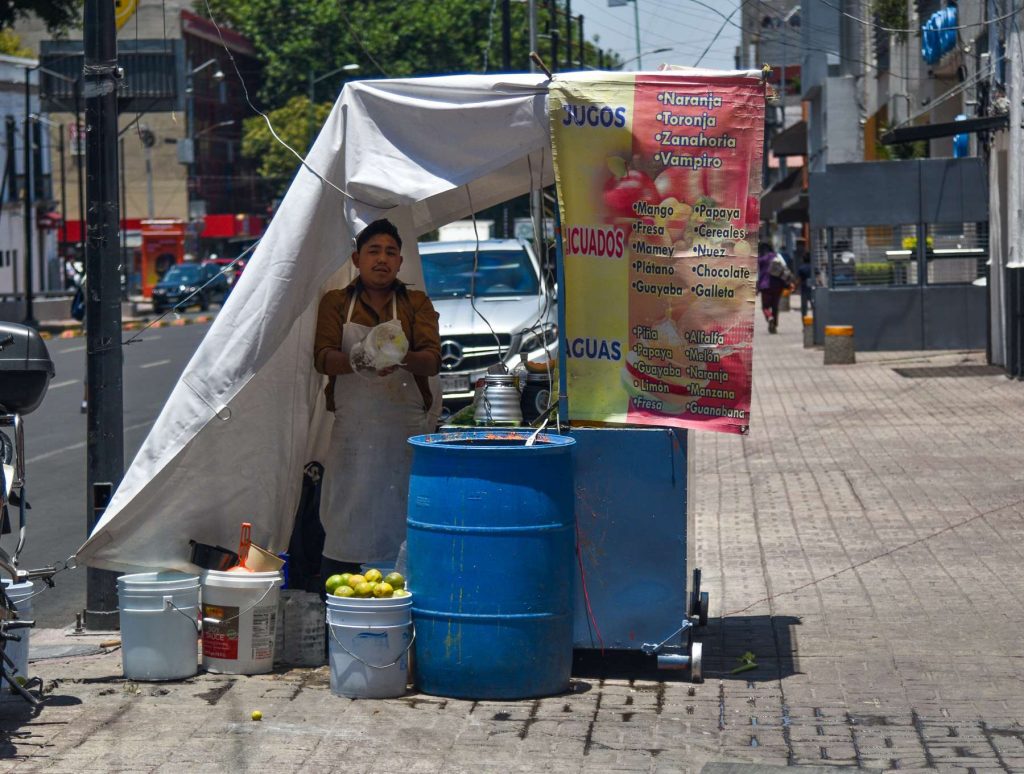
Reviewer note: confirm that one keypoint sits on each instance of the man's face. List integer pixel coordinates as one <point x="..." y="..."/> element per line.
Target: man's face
<point x="378" y="261"/>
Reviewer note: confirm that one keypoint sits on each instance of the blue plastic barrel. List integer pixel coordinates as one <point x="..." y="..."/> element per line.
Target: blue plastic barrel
<point x="491" y="563"/>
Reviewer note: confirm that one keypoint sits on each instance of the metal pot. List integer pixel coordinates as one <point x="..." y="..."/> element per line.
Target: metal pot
<point x="499" y="402"/>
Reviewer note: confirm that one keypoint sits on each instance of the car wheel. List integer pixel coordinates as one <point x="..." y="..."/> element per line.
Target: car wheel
<point x="157" y="309"/>
<point x="204" y="302"/>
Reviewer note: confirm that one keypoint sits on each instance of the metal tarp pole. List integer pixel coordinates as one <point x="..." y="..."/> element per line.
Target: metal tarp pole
<point x="563" y="341"/>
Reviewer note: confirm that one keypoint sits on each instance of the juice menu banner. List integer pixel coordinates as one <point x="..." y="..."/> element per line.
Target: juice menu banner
<point x="659" y="179"/>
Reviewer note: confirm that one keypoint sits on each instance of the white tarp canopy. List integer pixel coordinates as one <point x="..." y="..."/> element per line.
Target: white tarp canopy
<point x="248" y="412"/>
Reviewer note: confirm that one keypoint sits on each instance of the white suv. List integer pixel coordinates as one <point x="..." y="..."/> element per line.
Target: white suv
<point x="506" y="307"/>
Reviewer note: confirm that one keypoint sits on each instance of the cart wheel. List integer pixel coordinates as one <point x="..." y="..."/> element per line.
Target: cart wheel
<point x="705" y="601"/>
<point x="696" y="662"/>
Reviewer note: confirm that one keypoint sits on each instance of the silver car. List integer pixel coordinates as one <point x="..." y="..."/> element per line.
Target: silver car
<point x="495" y="304"/>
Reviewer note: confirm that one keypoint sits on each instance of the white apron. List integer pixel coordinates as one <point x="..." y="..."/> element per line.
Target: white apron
<point x="366" y="473"/>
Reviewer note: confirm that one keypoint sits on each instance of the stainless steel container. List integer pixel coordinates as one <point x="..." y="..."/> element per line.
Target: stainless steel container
<point x="499" y="403"/>
<point x="536" y="396"/>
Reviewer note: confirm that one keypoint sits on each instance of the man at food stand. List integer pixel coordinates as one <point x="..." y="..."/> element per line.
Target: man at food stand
<point x="378" y="341"/>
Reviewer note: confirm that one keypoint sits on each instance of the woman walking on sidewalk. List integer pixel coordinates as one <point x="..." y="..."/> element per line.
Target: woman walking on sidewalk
<point x="771" y="281"/>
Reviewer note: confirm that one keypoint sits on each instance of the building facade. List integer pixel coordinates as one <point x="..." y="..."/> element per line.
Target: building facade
<point x="897" y="193"/>
<point x="182" y="103"/>
<point x="46" y="268"/>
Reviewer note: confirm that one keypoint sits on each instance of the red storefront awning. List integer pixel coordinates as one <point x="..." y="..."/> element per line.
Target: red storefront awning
<point x="215" y="227"/>
<point x="231" y="225"/>
<point x="72" y="229"/>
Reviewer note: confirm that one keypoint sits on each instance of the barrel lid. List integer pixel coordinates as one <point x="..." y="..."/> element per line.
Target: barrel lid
<point x="493" y="440"/>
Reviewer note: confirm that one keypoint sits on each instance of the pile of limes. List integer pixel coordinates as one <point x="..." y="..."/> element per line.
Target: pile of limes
<point x="372" y="584"/>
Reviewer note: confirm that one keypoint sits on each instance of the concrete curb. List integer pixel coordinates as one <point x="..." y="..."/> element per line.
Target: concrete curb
<point x="62" y="330"/>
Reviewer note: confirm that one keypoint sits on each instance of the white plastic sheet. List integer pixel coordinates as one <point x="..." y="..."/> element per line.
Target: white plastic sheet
<point x="248" y="412"/>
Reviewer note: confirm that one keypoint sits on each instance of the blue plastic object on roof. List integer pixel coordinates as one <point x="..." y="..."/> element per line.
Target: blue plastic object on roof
<point x="961" y="142"/>
<point x="938" y="34"/>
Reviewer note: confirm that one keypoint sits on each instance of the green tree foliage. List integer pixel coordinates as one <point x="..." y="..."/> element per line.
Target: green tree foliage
<point x="301" y="39"/>
<point x="292" y="123"/>
<point x="386" y="38"/>
<point x="57" y="15"/>
<point x="892" y="14"/>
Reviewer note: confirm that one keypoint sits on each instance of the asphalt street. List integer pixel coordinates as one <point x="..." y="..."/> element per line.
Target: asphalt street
<point x="55" y="452"/>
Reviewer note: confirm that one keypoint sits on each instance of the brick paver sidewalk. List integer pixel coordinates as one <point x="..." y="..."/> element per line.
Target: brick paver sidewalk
<point x="864" y="543"/>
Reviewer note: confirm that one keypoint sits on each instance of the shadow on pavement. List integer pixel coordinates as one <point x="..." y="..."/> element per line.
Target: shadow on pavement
<point x="622" y="665"/>
<point x="15" y="713"/>
<point x="733" y="643"/>
<point x="760" y="647"/>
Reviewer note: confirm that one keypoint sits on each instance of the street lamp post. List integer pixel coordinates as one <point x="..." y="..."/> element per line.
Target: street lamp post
<point x="27" y="148"/>
<point x="190" y="118"/>
<point x="79" y="155"/>
<point x="637" y="58"/>
<point x="313" y="81"/>
<point x="63" y="187"/>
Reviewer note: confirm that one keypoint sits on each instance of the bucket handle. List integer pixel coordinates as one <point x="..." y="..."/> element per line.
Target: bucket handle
<point x="169" y="605"/>
<point x="402" y="655"/>
<point x="254" y="605"/>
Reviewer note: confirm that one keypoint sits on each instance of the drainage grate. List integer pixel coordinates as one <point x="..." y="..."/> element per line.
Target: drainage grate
<point x="949" y="372"/>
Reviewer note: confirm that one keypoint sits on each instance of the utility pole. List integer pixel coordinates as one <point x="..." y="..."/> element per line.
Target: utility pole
<point x="104" y="417"/>
<point x="553" y="32"/>
<point x="30" y="319"/>
<point x="568" y="34"/>
<point x="11" y="130"/>
<point x="1012" y="277"/>
<point x="532" y="14"/>
<point x="1013" y="172"/>
<point x="63" y="205"/>
<point x="506" y="66"/>
<point x="79" y="130"/>
<point x="506" y="35"/>
<point x="536" y="200"/>
<point x="636" y="23"/>
<point x="579" y="30"/>
<point x="148" y="141"/>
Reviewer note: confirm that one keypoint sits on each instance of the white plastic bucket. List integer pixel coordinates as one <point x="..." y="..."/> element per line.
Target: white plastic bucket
<point x="368" y="644"/>
<point x="20" y="595"/>
<point x="240" y="621"/>
<point x="158" y="625"/>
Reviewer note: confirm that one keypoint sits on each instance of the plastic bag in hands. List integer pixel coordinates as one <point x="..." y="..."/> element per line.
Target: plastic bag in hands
<point x="361" y="361"/>
<point x="386" y="344"/>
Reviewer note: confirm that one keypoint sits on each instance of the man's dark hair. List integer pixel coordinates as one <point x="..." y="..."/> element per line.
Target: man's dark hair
<point x="763" y="248"/>
<point x="382" y="226"/>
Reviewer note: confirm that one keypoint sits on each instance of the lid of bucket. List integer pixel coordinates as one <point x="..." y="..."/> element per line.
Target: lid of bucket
<point x="156" y="578"/>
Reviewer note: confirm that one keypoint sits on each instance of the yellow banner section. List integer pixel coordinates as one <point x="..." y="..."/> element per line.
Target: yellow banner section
<point x="591" y="126"/>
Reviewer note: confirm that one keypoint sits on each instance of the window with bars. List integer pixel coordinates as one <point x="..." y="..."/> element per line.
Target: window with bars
<point x="860" y="256"/>
<point x="957" y="253"/>
<point x="889" y="256"/>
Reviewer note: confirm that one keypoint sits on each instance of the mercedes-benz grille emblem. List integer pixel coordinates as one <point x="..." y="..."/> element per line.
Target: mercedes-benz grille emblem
<point x="451" y="355"/>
